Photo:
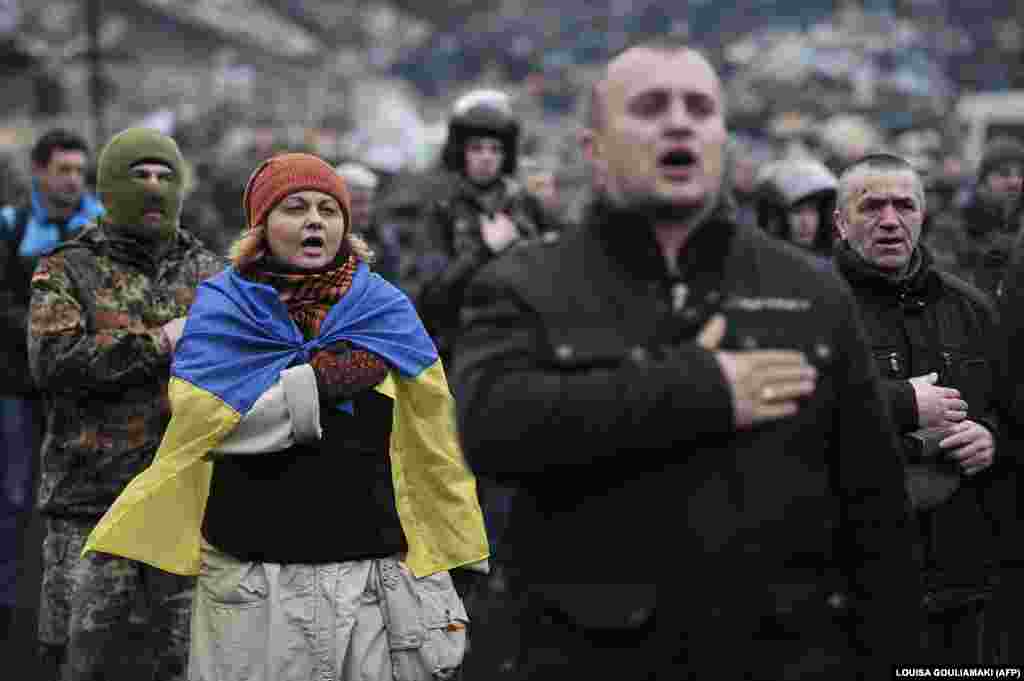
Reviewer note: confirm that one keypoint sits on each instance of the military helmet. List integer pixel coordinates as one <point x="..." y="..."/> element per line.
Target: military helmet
<point x="481" y="113"/>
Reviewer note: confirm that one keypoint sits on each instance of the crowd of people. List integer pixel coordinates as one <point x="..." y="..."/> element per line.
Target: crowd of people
<point x="696" y="431"/>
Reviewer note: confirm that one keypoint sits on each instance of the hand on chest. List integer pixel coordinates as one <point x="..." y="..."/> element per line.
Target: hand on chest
<point x="905" y="345"/>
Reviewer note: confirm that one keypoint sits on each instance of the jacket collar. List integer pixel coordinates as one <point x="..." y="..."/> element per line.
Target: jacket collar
<point x="483" y="199"/>
<point x="628" y="238"/>
<point x="921" y="282"/>
<point x="89" y="208"/>
<point x="129" y="251"/>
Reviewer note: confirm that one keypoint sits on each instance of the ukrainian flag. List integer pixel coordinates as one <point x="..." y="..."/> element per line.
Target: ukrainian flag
<point x="237" y="340"/>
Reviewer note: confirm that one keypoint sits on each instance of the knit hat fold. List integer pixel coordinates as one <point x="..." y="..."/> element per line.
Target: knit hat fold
<point x="285" y="174"/>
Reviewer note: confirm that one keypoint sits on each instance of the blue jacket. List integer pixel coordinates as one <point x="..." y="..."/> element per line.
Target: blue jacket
<point x="41" y="233"/>
<point x="18" y="257"/>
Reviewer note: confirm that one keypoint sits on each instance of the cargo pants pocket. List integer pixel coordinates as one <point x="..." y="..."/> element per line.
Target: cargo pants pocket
<point x="229" y="619"/>
<point x="426" y="623"/>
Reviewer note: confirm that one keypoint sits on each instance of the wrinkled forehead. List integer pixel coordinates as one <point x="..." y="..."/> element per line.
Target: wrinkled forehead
<point x="644" y="69"/>
<point x="894" y="184"/>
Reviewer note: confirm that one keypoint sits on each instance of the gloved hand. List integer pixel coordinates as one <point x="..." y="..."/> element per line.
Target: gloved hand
<point x="343" y="371"/>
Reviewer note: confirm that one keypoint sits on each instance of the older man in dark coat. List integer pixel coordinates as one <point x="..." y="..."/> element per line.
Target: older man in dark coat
<point x="934" y="339"/>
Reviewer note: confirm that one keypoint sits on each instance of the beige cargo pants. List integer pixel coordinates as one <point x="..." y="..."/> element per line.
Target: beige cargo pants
<point x="369" y="620"/>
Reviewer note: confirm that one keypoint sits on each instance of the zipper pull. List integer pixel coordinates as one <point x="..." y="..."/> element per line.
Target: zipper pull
<point x="680" y="292"/>
<point x="947" y="366"/>
<point x="894" y="363"/>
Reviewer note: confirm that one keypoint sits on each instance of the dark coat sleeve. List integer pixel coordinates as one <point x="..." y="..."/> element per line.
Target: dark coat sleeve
<point x="520" y="413"/>
<point x="1011" y="319"/>
<point x="899" y="394"/>
<point x="13" y="308"/>
<point x="1003" y="497"/>
<point x="876" y="538"/>
<point x="441" y="295"/>
<point x="992" y="415"/>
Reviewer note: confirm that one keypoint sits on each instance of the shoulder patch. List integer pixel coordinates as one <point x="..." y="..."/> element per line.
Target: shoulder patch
<point x="42" y="271"/>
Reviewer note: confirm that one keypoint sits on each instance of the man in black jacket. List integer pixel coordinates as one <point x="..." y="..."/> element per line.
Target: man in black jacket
<point x="1006" y="608"/>
<point x="934" y="339"/>
<point x="995" y="214"/>
<point x="486" y="211"/>
<point x="709" y="481"/>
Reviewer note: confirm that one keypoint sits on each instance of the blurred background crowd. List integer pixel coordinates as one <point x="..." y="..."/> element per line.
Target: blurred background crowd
<point x="374" y="81"/>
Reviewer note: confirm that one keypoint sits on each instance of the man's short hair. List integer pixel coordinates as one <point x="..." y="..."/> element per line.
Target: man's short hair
<point x="593" y="114"/>
<point x="878" y="162"/>
<point x="57" y="139"/>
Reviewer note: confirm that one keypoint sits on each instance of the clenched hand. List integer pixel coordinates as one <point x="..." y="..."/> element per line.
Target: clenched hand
<point x="171" y="332"/>
<point x="498" y="232"/>
<point x="971" y="445"/>
<point x="937" y="406"/>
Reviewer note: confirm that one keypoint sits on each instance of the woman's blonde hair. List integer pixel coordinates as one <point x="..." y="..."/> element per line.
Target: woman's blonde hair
<point x="251" y="247"/>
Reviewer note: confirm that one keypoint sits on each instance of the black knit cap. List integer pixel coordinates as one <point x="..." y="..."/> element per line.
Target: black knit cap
<point x="999" y="151"/>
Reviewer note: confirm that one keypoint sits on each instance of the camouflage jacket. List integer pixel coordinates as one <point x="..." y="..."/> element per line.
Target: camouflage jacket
<point x="98" y="305"/>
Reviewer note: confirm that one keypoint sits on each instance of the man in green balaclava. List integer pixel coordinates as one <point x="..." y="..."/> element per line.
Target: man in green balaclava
<point x="141" y="177"/>
<point x="107" y="309"/>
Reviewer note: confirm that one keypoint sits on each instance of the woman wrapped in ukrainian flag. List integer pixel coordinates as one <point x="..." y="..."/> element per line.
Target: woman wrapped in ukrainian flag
<point x="310" y="475"/>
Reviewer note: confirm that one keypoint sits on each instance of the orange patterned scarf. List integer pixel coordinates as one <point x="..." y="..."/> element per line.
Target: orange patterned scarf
<point x="309" y="295"/>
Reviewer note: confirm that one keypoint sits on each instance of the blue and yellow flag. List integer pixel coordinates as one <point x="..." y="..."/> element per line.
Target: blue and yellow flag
<point x="237" y="340"/>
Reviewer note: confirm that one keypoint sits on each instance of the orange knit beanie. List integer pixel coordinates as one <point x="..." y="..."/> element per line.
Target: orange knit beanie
<point x="285" y="174"/>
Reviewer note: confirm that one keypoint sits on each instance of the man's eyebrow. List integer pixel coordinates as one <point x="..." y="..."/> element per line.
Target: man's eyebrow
<point x="648" y="91"/>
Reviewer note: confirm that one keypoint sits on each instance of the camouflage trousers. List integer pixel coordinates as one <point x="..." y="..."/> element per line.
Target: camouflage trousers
<point x="95" y="609"/>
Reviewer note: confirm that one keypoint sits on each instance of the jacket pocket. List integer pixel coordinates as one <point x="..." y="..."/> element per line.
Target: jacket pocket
<point x="426" y="622"/>
<point x="969" y="373"/>
<point x="891" y="363"/>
